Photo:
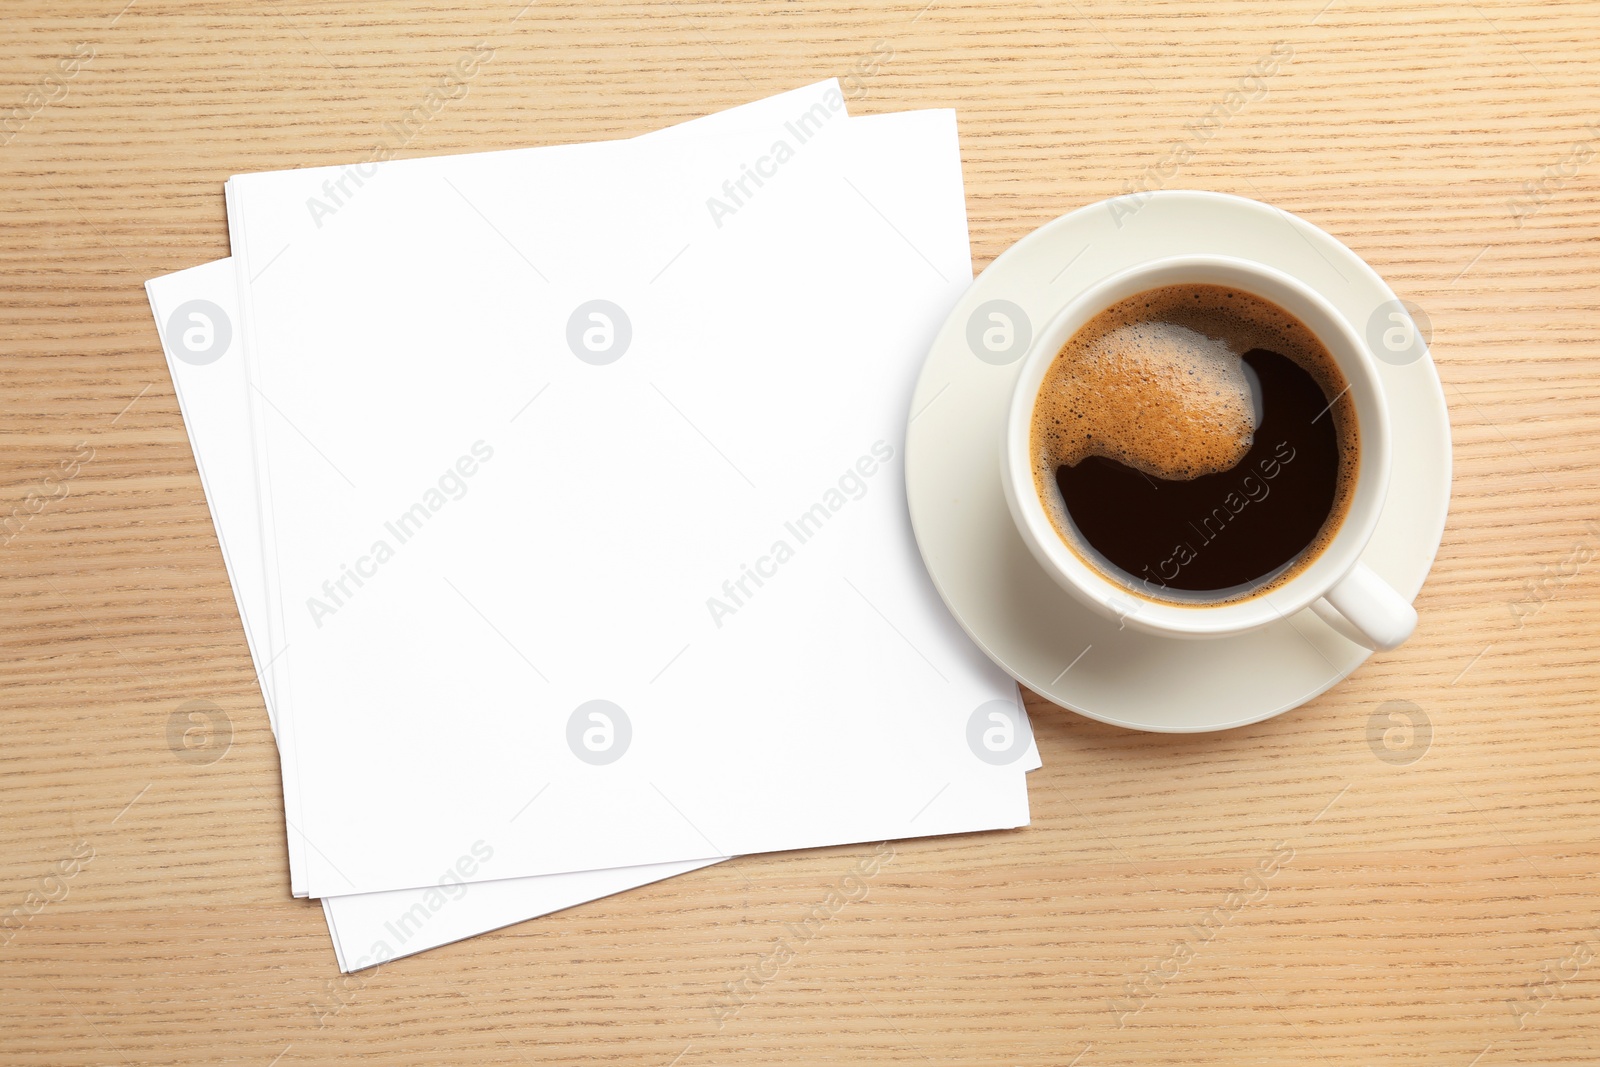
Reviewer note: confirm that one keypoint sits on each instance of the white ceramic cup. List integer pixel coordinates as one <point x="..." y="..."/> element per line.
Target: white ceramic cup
<point x="1342" y="590"/>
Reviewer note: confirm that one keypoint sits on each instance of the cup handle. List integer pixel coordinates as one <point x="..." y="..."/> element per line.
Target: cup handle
<point x="1367" y="610"/>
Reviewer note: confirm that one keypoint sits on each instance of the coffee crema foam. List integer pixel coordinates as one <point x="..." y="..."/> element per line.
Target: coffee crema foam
<point x="1156" y="382"/>
<point x="1160" y="397"/>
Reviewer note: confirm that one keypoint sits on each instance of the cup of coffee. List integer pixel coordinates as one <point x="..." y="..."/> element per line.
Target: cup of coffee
<point x="1198" y="446"/>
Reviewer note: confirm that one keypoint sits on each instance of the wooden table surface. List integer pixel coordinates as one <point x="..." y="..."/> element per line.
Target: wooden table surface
<point x="1432" y="895"/>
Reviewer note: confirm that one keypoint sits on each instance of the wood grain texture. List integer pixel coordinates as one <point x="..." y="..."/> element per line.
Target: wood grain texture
<point x="1441" y="911"/>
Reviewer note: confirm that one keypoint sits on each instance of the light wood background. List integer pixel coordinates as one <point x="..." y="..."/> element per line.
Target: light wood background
<point x="1440" y="903"/>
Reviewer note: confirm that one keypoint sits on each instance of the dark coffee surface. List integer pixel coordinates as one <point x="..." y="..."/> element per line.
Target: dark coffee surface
<point x="1225" y="530"/>
<point x="1196" y="443"/>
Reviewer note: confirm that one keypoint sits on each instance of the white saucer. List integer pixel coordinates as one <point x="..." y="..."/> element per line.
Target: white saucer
<point x="990" y="582"/>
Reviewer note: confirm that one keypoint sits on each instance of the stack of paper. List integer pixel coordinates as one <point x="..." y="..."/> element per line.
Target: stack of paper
<point x="561" y="493"/>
